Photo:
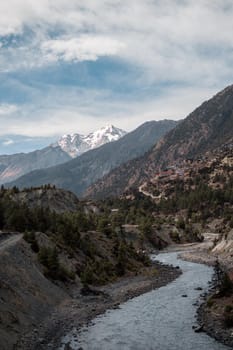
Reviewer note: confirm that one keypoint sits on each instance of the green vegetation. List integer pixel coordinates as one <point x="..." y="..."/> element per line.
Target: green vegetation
<point x="89" y="237"/>
<point x="228" y="308"/>
<point x="99" y="272"/>
<point x="226" y="285"/>
<point x="228" y="316"/>
<point x="31" y="238"/>
<point x="210" y="302"/>
<point x="203" y="200"/>
<point x="96" y="242"/>
<point x="48" y="257"/>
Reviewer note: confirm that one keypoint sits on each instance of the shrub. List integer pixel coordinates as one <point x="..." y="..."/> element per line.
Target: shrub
<point x="181" y="223"/>
<point x="210" y="302"/>
<point x="228" y="319"/>
<point x="87" y="276"/>
<point x="64" y="273"/>
<point x="48" y="257"/>
<point x="226" y="287"/>
<point x="228" y="308"/>
<point x="31" y="238"/>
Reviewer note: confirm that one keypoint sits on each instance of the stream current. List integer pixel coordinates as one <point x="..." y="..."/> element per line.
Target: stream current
<point x="159" y="320"/>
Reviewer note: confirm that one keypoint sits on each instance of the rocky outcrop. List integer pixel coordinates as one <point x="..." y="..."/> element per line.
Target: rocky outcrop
<point x="224" y="249"/>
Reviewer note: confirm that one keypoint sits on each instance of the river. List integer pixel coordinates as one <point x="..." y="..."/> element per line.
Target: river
<point x="159" y="320"/>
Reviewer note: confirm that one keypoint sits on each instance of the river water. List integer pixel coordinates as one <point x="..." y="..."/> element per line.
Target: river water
<point x="159" y="320"/>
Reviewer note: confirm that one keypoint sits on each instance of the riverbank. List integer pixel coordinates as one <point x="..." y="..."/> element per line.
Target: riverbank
<point x="81" y="310"/>
<point x="211" y="319"/>
<point x="215" y="314"/>
<point x="211" y="313"/>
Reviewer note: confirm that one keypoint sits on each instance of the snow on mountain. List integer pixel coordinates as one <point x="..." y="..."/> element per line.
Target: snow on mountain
<point x="76" y="144"/>
<point x="73" y="144"/>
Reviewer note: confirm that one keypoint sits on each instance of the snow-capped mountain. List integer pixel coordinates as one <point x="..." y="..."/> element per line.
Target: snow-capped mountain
<point x="69" y="146"/>
<point x="76" y="144"/>
<point x="79" y="173"/>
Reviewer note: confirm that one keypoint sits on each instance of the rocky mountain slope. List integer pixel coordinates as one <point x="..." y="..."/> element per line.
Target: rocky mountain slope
<point x="205" y="129"/>
<point x="76" y="144"/>
<point x="83" y="171"/>
<point x="215" y="170"/>
<point x="15" y="165"/>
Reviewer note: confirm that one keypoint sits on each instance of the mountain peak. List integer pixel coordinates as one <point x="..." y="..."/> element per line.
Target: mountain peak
<point x="75" y="144"/>
<point x="108" y="127"/>
<point x="111" y="128"/>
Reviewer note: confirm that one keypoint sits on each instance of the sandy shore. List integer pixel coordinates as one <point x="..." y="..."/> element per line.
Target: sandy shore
<point x="200" y="257"/>
<point x="76" y="312"/>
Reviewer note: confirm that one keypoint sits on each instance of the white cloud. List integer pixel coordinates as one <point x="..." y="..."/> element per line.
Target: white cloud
<point x="169" y="39"/>
<point x="7" y="109"/>
<point x="84" y="48"/>
<point x="185" y="45"/>
<point x="8" y="142"/>
<point x="59" y="115"/>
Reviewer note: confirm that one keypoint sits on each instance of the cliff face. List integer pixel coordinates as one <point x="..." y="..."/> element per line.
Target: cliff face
<point x="207" y="128"/>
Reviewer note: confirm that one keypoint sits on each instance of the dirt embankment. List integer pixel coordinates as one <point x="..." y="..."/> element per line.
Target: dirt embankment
<point x="26" y="296"/>
<point x="211" y="319"/>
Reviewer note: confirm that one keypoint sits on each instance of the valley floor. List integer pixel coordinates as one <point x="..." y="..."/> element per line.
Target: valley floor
<point x="55" y="313"/>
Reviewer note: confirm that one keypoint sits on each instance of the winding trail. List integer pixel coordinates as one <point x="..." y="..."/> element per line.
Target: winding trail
<point x="147" y="194"/>
<point x="9" y="241"/>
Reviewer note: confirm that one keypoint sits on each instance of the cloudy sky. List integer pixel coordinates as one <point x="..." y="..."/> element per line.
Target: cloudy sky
<point x="74" y="66"/>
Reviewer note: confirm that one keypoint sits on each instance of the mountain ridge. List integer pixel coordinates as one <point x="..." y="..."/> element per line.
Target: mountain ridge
<point x="66" y="148"/>
<point x="15" y="165"/>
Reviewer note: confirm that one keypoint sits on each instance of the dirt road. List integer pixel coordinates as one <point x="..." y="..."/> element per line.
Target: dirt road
<point x="9" y="240"/>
